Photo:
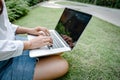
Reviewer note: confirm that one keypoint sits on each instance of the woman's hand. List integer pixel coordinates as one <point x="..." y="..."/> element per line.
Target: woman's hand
<point x="39" y="31"/>
<point x="38" y="42"/>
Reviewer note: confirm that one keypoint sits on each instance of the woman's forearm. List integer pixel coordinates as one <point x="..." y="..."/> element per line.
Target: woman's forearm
<point x="27" y="45"/>
<point x="22" y="30"/>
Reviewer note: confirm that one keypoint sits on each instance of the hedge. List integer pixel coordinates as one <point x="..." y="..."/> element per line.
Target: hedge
<point x="107" y="3"/>
<point x="19" y="8"/>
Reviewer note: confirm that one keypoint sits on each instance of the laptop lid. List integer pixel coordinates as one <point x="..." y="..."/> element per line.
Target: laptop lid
<point x="71" y="25"/>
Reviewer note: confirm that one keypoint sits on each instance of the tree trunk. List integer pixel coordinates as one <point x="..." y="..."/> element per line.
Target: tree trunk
<point x="95" y="1"/>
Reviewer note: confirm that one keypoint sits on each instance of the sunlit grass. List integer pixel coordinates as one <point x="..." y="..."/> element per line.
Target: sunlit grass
<point x="41" y="16"/>
<point x="97" y="53"/>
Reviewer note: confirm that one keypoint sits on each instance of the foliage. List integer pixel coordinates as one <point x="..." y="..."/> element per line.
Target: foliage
<point x="107" y="3"/>
<point x="32" y="2"/>
<point x="19" y="8"/>
<point x="16" y="9"/>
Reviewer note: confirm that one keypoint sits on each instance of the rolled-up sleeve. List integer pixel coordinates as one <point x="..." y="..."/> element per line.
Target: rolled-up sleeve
<point x="14" y="27"/>
<point x="9" y="49"/>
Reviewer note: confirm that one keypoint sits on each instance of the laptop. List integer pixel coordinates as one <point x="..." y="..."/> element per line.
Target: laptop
<point x="66" y="33"/>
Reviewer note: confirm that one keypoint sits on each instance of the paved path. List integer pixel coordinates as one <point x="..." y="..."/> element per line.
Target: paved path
<point x="107" y="14"/>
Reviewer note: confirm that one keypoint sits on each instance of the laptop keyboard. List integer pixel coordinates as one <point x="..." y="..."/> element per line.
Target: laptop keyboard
<point x="56" y="42"/>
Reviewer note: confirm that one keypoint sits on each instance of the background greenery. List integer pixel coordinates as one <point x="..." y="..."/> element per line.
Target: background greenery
<point x="108" y="3"/>
<point x="19" y="8"/>
<point x="16" y="9"/>
<point x="96" y="55"/>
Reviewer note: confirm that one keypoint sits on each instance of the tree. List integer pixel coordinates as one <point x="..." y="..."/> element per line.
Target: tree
<point x="95" y="1"/>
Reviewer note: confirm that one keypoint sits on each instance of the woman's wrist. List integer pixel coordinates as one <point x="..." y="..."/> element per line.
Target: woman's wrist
<point x="27" y="45"/>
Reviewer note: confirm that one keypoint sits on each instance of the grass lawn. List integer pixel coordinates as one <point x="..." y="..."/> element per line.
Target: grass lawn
<point x="97" y="54"/>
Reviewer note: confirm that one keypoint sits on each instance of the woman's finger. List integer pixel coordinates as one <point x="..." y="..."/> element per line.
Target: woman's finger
<point x="48" y="39"/>
<point x="42" y="33"/>
<point x="47" y="32"/>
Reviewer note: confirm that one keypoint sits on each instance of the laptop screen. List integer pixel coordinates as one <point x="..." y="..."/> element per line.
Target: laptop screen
<point x="71" y="25"/>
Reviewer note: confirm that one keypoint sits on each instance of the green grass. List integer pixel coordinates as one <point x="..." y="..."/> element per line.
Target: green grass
<point x="97" y="54"/>
<point x="41" y="16"/>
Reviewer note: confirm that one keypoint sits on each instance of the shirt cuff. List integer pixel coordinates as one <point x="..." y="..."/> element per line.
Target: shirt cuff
<point x="20" y="47"/>
<point x="14" y="27"/>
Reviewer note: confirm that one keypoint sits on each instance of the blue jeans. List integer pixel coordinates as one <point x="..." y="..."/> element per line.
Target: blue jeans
<point x="18" y="68"/>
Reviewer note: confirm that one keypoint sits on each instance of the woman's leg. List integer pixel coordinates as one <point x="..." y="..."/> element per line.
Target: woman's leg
<point x="47" y="68"/>
<point x="51" y="67"/>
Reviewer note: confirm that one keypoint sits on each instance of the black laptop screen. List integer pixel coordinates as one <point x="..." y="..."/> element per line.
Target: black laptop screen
<point x="71" y="25"/>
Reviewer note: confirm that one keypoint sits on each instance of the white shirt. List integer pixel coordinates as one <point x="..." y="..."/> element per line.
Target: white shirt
<point x="9" y="47"/>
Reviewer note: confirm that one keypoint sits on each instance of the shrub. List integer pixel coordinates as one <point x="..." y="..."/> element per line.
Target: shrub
<point x="107" y="3"/>
<point x="16" y="9"/>
<point x="19" y="8"/>
<point x="32" y="2"/>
